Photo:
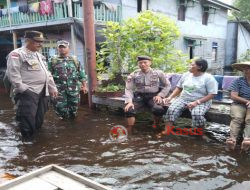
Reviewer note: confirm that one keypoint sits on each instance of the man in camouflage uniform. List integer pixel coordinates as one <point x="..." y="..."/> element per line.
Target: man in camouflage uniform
<point x="145" y="86"/>
<point x="31" y="83"/>
<point x="69" y="79"/>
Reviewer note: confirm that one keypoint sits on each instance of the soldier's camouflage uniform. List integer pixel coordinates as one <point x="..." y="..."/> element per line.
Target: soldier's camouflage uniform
<point x="68" y="77"/>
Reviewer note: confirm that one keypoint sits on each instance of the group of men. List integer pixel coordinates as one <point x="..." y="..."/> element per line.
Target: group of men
<point x="33" y="81"/>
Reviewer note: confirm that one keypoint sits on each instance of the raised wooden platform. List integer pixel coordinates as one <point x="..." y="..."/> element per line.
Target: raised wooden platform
<point x="218" y="113"/>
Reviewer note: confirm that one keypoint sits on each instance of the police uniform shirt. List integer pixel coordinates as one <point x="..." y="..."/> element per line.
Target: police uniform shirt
<point x="27" y="70"/>
<point x="150" y="82"/>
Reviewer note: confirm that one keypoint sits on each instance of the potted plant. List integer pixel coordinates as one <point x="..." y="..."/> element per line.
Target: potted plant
<point x="149" y="33"/>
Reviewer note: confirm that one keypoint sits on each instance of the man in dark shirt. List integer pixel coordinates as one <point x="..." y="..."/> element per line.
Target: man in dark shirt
<point x="240" y="109"/>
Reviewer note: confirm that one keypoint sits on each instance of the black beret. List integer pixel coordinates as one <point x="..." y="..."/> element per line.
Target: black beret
<point x="34" y="35"/>
<point x="143" y="57"/>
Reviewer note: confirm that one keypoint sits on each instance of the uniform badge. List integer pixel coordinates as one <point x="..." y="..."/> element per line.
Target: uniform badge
<point x="14" y="55"/>
<point x="129" y="79"/>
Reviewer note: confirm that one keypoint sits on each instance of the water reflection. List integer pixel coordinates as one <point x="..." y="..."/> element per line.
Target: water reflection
<point x="142" y="162"/>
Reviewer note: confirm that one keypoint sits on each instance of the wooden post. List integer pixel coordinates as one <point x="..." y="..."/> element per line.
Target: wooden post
<point x="89" y="38"/>
<point x="73" y="39"/>
<point x="14" y="35"/>
<point x="8" y="9"/>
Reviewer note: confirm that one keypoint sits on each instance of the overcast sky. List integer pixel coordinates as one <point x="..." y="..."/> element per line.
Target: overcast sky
<point x="230" y="2"/>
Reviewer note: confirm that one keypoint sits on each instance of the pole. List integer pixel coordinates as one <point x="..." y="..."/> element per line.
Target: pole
<point x="14" y="35"/>
<point x="73" y="40"/>
<point x="90" y="45"/>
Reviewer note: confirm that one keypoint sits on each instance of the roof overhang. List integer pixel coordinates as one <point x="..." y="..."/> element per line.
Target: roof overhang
<point x="221" y="4"/>
<point x="194" y="37"/>
<point x="246" y="25"/>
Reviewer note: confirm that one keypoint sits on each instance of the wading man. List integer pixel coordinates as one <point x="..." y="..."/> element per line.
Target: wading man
<point x="69" y="79"/>
<point x="32" y="83"/>
<point x="145" y="87"/>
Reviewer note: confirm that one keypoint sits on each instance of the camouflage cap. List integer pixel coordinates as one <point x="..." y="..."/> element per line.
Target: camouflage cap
<point x="143" y="57"/>
<point x="34" y="35"/>
<point x="63" y="43"/>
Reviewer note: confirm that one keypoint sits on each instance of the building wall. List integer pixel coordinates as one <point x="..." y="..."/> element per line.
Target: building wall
<point x="64" y="36"/>
<point x="231" y="45"/>
<point x="214" y="31"/>
<point x="243" y="40"/>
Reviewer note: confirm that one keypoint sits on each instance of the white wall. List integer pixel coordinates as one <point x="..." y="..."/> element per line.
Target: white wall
<point x="243" y="40"/>
<point x="214" y="31"/>
<point x="67" y="36"/>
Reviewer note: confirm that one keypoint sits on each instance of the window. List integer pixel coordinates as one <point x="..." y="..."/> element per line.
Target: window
<point x="208" y="10"/>
<point x="139" y="6"/>
<point x="49" y="48"/>
<point x="190" y="45"/>
<point x="182" y="10"/>
<point x="205" y="15"/>
<point x="214" y="51"/>
<point x="142" y="5"/>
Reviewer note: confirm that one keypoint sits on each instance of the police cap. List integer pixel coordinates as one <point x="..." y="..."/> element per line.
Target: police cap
<point x="63" y="43"/>
<point x="34" y="35"/>
<point x="143" y="57"/>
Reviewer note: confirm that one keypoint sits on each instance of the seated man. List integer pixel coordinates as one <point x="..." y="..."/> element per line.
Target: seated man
<point x="196" y="89"/>
<point x="145" y="86"/>
<point x="240" y="109"/>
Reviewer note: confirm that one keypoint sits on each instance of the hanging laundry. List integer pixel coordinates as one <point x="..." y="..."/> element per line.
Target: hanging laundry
<point x="110" y="6"/>
<point x="227" y="81"/>
<point x="58" y="1"/>
<point x="46" y="7"/>
<point x="4" y="12"/>
<point x="14" y="9"/>
<point x="34" y="7"/>
<point x="24" y="8"/>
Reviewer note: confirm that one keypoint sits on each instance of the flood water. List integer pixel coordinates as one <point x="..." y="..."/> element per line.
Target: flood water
<point x="142" y="162"/>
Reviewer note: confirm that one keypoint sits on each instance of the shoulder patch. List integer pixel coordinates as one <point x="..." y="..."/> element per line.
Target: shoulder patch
<point x="14" y="55"/>
<point x="129" y="79"/>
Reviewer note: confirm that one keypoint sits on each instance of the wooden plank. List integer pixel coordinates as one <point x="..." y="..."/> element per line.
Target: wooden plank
<point x="79" y="178"/>
<point x="63" y="182"/>
<point x="24" y="178"/>
<point x="34" y="184"/>
<point x="55" y="176"/>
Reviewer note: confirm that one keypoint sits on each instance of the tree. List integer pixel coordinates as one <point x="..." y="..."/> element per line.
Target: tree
<point x="244" y="7"/>
<point x="151" y="34"/>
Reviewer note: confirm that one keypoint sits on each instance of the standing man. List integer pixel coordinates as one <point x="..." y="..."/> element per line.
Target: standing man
<point x="145" y="86"/>
<point x="32" y="83"/>
<point x="69" y="79"/>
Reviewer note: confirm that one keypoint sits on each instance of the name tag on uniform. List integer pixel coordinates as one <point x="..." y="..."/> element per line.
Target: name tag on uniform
<point x="33" y="65"/>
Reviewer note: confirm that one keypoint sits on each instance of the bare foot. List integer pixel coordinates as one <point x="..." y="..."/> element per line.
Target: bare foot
<point x="231" y="144"/>
<point x="245" y="145"/>
<point x="161" y="135"/>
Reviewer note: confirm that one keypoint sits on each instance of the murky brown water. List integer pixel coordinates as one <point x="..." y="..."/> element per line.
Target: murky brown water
<point x="83" y="146"/>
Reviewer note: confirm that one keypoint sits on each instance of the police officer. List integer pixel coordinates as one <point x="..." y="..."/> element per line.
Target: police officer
<point x="145" y="86"/>
<point x="69" y="79"/>
<point x="32" y="83"/>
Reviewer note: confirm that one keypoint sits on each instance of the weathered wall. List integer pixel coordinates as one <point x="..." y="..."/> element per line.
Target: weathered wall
<point x="231" y="45"/>
<point x="215" y="31"/>
<point x="243" y="40"/>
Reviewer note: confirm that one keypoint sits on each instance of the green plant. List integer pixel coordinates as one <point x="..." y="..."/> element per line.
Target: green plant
<point x="245" y="56"/>
<point x="110" y="88"/>
<point x="151" y="34"/>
